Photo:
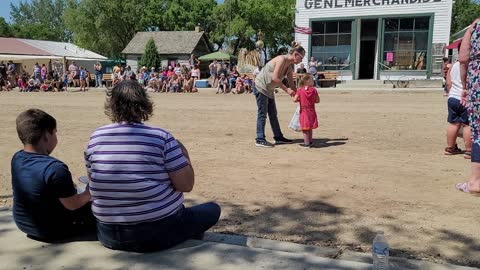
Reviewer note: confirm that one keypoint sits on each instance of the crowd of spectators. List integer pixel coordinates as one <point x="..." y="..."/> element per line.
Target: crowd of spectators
<point x="227" y="80"/>
<point x="44" y="77"/>
<point x="223" y="76"/>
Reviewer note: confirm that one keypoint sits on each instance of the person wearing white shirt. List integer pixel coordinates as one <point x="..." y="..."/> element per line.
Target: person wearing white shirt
<point x="457" y="114"/>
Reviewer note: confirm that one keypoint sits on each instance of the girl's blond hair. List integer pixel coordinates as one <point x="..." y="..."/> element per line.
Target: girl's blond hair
<point x="296" y="47"/>
<point x="305" y="78"/>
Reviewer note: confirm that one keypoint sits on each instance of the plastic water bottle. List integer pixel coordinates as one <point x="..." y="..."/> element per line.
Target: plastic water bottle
<point x="380" y="252"/>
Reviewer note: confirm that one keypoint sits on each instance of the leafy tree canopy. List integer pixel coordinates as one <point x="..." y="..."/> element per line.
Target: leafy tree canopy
<point x="40" y="19"/>
<point x="5" y="29"/>
<point x="107" y="26"/>
<point x="239" y="22"/>
<point x="464" y="13"/>
<point x="104" y="26"/>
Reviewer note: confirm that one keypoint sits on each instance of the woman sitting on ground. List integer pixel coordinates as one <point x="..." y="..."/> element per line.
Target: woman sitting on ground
<point x="188" y="85"/>
<point x="138" y="174"/>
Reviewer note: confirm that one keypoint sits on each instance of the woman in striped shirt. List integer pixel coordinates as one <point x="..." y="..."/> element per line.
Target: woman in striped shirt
<point x="138" y="174"/>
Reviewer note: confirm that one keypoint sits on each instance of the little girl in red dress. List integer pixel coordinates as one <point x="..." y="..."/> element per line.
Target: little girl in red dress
<point x="307" y="95"/>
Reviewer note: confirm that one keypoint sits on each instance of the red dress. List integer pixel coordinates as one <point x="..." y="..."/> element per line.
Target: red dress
<point x="308" y="116"/>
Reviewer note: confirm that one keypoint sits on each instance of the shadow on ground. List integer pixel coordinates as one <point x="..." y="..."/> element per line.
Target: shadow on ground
<point x="320" y="223"/>
<point x="314" y="222"/>
<point x="324" y="142"/>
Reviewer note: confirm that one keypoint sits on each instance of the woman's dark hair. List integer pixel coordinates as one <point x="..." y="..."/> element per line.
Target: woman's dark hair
<point x="32" y="125"/>
<point x="127" y="102"/>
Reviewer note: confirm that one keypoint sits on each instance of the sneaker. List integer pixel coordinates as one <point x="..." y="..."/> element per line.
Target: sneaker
<point x="283" y="140"/>
<point x="302" y="145"/>
<point x="263" y="144"/>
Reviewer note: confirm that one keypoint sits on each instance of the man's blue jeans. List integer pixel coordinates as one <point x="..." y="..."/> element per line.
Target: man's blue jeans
<point x="266" y="106"/>
<point x="232" y="81"/>
<point x="161" y="234"/>
<point x="98" y="80"/>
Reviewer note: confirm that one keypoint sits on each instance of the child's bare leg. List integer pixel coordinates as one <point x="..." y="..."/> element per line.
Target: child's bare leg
<point x="311" y="136"/>
<point x="452" y="131"/>
<point x="306" y="137"/>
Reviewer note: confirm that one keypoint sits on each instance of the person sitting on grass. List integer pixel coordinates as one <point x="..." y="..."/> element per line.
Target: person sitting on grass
<point x="22" y="82"/>
<point x="188" y="84"/>
<point x="138" y="188"/>
<point x="247" y="84"/>
<point x="222" y="84"/>
<point x="6" y="86"/>
<point x="159" y="82"/>
<point x="33" y="85"/>
<point x="151" y="87"/>
<point x="44" y="87"/>
<point x="174" y="84"/>
<point x="239" y="87"/>
<point x="46" y="205"/>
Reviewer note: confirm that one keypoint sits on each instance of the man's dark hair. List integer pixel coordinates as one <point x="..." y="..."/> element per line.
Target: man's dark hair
<point x="128" y="102"/>
<point x="33" y="124"/>
<point x="445" y="59"/>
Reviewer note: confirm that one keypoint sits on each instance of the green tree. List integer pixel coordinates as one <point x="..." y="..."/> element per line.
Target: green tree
<point x="40" y="19"/>
<point x="150" y="57"/>
<point x="105" y="26"/>
<point x="178" y="15"/>
<point x="239" y="22"/>
<point x="5" y="29"/>
<point x="464" y="12"/>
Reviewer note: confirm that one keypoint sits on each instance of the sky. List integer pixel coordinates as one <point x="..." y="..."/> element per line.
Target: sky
<point x="5" y="7"/>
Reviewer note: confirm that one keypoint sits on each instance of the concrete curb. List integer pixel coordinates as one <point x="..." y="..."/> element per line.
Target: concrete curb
<point x="395" y="263"/>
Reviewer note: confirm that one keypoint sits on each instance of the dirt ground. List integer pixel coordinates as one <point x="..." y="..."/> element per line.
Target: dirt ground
<point x="378" y="165"/>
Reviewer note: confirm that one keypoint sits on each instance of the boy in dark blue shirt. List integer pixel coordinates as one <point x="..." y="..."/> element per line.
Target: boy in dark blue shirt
<point x="46" y="205"/>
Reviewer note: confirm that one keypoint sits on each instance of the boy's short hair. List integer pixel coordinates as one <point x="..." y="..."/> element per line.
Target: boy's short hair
<point x="32" y="125"/>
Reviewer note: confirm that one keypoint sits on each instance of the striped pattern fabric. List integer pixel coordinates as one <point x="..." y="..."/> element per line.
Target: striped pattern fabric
<point x="129" y="166"/>
<point x="302" y="30"/>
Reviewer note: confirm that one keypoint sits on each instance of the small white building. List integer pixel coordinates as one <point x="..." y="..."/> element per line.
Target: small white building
<point x="26" y="52"/>
<point x="376" y="39"/>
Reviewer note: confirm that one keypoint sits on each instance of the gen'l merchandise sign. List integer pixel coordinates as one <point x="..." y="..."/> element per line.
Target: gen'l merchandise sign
<point x="318" y="4"/>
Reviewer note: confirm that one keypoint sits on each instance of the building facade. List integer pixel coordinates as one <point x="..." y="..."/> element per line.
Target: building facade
<point x="376" y="39"/>
<point x="173" y="47"/>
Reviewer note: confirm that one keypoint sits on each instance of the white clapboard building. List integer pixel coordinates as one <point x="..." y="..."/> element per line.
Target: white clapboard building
<point x="376" y="39"/>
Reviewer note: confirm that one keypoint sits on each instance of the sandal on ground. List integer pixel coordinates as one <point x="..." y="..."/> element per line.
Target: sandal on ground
<point x="453" y="150"/>
<point x="467" y="154"/>
<point x="463" y="187"/>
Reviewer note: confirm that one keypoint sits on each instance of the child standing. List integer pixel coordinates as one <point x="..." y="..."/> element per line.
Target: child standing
<point x="307" y="95"/>
<point x="65" y="80"/>
<point x="83" y="81"/>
